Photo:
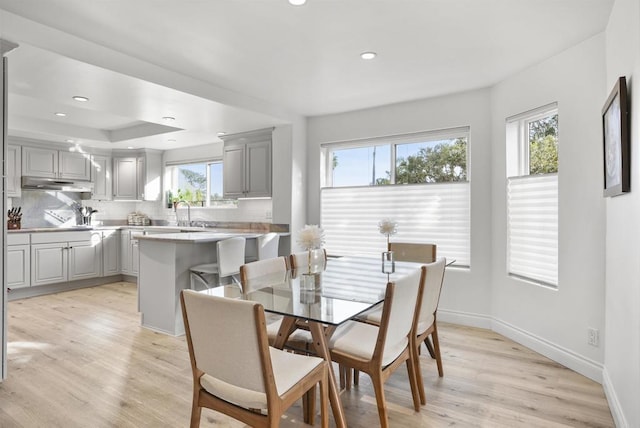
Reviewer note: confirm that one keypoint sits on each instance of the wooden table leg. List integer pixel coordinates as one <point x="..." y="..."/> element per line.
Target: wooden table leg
<point x="287" y="326"/>
<point x="322" y="350"/>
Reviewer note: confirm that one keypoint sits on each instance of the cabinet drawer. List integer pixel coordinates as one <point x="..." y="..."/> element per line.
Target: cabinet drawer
<point x="50" y="237"/>
<point x="17" y="238"/>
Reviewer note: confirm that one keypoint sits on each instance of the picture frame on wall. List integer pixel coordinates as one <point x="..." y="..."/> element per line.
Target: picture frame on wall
<point x="615" y="140"/>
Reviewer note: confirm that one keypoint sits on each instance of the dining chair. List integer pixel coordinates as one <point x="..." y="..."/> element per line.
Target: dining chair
<point x="236" y="372"/>
<point x="268" y="245"/>
<point x="379" y="350"/>
<point x="426" y="320"/>
<point x="302" y="260"/>
<point x="413" y="252"/>
<point x="266" y="273"/>
<point x="230" y="256"/>
<point x="426" y="326"/>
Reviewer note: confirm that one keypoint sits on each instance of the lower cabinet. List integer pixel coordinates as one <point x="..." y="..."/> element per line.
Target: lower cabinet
<point x="18" y="266"/>
<point x="110" y="252"/>
<point x="79" y="257"/>
<point x="125" y="250"/>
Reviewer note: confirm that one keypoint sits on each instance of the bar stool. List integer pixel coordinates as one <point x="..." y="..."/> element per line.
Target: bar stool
<point x="268" y="245"/>
<point x="230" y="254"/>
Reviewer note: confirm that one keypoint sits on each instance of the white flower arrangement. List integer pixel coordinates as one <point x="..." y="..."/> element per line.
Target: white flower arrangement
<point x="388" y="227"/>
<point x="311" y="236"/>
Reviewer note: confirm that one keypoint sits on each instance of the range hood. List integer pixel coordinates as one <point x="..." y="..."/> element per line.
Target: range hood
<point x="39" y="183"/>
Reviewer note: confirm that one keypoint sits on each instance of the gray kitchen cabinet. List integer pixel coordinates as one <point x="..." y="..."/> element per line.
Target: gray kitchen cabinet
<point x="18" y="266"/>
<point x="125" y="261"/>
<point x="49" y="163"/>
<point x="135" y="256"/>
<point x="49" y="263"/>
<point x="13" y="170"/>
<point x="102" y="178"/>
<point x="39" y="162"/>
<point x="110" y="252"/>
<point x="85" y="258"/>
<point x="137" y="177"/>
<point x="247" y="165"/>
<point x="74" y="165"/>
<point x="18" y="260"/>
<point x="65" y="256"/>
<point x="125" y="178"/>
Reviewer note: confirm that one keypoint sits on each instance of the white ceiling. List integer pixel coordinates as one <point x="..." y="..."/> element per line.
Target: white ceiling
<point x="304" y="60"/>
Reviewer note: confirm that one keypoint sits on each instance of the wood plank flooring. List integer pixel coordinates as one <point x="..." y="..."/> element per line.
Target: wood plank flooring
<point x="81" y="359"/>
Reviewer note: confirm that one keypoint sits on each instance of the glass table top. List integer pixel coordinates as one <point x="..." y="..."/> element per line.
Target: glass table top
<point x="346" y="287"/>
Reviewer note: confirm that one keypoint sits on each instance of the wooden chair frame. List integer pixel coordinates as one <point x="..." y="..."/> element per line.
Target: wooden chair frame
<point x="276" y="404"/>
<point x="374" y="368"/>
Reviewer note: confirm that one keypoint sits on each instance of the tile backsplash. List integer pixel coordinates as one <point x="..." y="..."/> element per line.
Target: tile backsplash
<point x="47" y="208"/>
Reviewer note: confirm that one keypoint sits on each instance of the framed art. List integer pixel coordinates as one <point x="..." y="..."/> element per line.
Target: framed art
<point x="615" y="140"/>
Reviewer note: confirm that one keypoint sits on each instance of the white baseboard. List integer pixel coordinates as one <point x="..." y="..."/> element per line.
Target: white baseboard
<point x="464" y="318"/>
<point x="576" y="362"/>
<point x="614" y="404"/>
<point x="567" y="358"/>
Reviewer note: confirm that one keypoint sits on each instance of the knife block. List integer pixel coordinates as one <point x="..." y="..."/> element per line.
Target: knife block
<point x="13" y="225"/>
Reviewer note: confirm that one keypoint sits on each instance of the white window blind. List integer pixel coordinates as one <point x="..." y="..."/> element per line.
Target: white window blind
<point x="532" y="203"/>
<point x="434" y="213"/>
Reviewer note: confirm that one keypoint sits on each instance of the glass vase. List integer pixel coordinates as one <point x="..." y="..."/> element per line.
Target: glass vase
<point x="388" y="262"/>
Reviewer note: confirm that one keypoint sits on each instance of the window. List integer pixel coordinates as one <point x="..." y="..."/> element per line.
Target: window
<point x="532" y="196"/>
<point x="200" y="184"/>
<point x="420" y="180"/>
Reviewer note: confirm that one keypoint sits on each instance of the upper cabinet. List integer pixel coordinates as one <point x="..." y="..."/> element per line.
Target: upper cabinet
<point x="13" y="171"/>
<point x="136" y="177"/>
<point x="247" y="164"/>
<point x="102" y="178"/>
<point x="49" y="163"/>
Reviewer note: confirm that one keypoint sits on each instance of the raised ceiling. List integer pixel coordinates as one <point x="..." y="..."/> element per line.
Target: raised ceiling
<point x="302" y="60"/>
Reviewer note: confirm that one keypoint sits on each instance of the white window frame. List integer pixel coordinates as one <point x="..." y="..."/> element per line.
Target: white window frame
<point x="171" y="170"/>
<point x="517" y="169"/>
<point x="327" y="149"/>
<point x="454" y="235"/>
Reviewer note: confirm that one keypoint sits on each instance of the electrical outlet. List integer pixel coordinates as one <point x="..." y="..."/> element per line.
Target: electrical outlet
<point x="593" y="338"/>
<point x="269" y="215"/>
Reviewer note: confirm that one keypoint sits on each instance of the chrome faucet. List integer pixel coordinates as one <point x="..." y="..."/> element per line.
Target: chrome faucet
<point x="175" y="208"/>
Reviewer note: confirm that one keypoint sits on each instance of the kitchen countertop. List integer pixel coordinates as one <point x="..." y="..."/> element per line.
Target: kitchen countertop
<point x="197" y="237"/>
<point x="169" y="229"/>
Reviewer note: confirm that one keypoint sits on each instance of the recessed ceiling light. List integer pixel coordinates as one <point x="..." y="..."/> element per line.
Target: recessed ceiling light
<point x="171" y="140"/>
<point x="368" y="55"/>
<point x="80" y="98"/>
<point x="297" y="2"/>
<point x="168" y="118"/>
<point x="130" y="148"/>
<point x="60" y="114"/>
<point x="220" y="134"/>
<point x="69" y="140"/>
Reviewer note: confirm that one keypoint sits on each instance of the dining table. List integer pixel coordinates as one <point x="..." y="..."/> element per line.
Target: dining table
<point x="320" y="298"/>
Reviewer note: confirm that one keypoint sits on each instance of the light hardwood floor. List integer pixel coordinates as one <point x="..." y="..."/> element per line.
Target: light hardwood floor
<point x="81" y="359"/>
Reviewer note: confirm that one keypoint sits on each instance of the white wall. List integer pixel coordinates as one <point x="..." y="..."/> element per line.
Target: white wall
<point x="466" y="294"/>
<point x="622" y="344"/>
<point x="555" y="322"/>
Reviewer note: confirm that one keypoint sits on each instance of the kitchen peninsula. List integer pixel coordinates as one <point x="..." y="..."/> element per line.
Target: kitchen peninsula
<point x="165" y="260"/>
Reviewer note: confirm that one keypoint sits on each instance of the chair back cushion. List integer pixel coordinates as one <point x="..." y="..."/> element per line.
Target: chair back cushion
<point x="401" y="313"/>
<point x="431" y="293"/>
<point x="230" y="256"/>
<point x="411" y="252"/>
<point x="263" y="273"/>
<point x="225" y="341"/>
<point x="268" y="246"/>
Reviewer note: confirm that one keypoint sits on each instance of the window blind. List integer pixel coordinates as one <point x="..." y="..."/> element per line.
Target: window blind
<point x="532" y="204"/>
<point x="436" y="213"/>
